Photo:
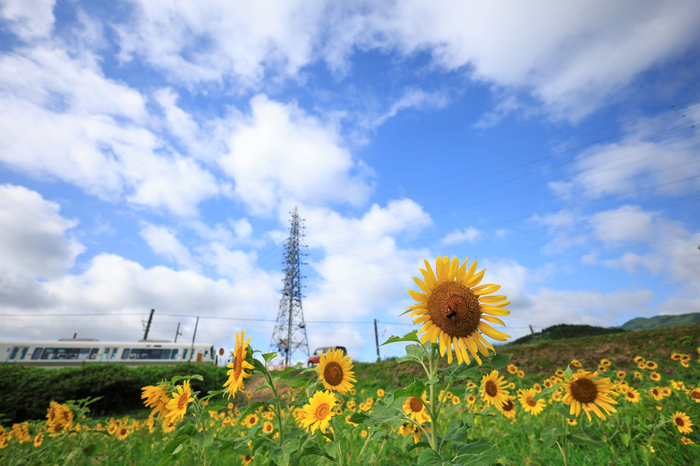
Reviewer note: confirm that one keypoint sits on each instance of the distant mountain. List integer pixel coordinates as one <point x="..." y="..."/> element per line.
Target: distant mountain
<point x="643" y="323"/>
<point x="563" y="331"/>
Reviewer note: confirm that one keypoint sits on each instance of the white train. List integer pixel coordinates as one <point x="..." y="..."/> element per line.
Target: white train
<point x="74" y="352"/>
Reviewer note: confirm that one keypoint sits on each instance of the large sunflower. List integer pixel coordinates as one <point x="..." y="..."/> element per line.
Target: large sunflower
<point x="318" y="413"/>
<point x="589" y="393"/>
<point x="454" y="309"/>
<point x="177" y="406"/>
<point x="238" y="366"/>
<point x="493" y="389"/>
<point x="335" y="371"/>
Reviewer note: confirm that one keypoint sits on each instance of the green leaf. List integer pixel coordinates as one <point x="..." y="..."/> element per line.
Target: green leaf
<point x="549" y="436"/>
<point x="358" y="418"/>
<point x="456" y="432"/>
<point x="177" y="378"/>
<point x="458" y="372"/>
<point x="497" y="362"/>
<point x="564" y="410"/>
<point x="625" y="438"/>
<point x="417" y="445"/>
<point x="432" y="458"/>
<point x="527" y="427"/>
<point x="269" y="356"/>
<point x="410" y="336"/>
<point x="481" y="452"/>
<point x="332" y="449"/>
<point x="586" y="437"/>
<point x="416" y="389"/>
<point x="546" y="391"/>
<point x="252" y="407"/>
<point x="414" y="353"/>
<point x="382" y="414"/>
<point x="568" y="373"/>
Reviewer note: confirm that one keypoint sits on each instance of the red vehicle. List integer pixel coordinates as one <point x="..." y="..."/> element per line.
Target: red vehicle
<point x="316" y="356"/>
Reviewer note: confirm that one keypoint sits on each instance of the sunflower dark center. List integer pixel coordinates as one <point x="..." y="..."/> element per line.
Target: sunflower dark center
<point x="182" y="401"/>
<point x="491" y="388"/>
<point x="531" y="403"/>
<point x="454" y="309"/>
<point x="695" y="394"/>
<point x="679" y="421"/>
<point x="508" y="405"/>
<point x="584" y="391"/>
<point x="415" y="404"/>
<point x="322" y="411"/>
<point x="333" y="373"/>
<point x="630" y="394"/>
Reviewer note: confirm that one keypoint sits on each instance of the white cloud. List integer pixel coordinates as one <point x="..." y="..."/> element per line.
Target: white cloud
<point x="571" y="57"/>
<point x="626" y="223"/>
<point x="280" y="152"/>
<point x="33" y="237"/>
<point x="164" y="242"/>
<point x="63" y="119"/>
<point x="469" y="234"/>
<point x="659" y="155"/>
<point x="29" y="19"/>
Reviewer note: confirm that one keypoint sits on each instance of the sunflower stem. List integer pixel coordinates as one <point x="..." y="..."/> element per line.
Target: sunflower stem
<point x="432" y="361"/>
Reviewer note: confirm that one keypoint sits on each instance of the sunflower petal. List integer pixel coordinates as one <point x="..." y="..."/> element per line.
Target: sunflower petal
<point x="492" y="332"/>
<point x="484" y="289"/>
<point x="428" y="278"/>
<point x="476" y="279"/>
<point x="470" y="273"/>
<point x="431" y="275"/>
<point x="454" y="266"/>
<point x="458" y="352"/>
<point x="492" y="299"/>
<point x="462" y="272"/>
<point x="494" y="311"/>
<point x="421" y="285"/>
<point x="420" y="297"/>
<point x="493" y="320"/>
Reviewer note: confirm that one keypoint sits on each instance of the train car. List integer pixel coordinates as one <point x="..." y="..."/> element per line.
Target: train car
<point x="75" y="352"/>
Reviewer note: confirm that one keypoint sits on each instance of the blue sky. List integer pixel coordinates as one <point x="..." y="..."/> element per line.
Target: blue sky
<point x="151" y="153"/>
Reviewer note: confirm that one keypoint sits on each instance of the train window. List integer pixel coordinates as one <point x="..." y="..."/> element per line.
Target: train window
<point x="134" y="354"/>
<point x="105" y="355"/>
<point x="24" y="352"/>
<point x="49" y="353"/>
<point x="13" y="355"/>
<point x="125" y="353"/>
<point x="93" y="353"/>
<point x="173" y="355"/>
<point x="114" y="353"/>
<point x="83" y="354"/>
<point x="37" y="353"/>
<point x="184" y="354"/>
<point x="206" y="354"/>
<point x="165" y="354"/>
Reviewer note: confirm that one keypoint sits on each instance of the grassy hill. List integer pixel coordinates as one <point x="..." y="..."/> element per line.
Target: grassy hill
<point x="562" y="331"/>
<point x="643" y="323"/>
<point x="542" y="358"/>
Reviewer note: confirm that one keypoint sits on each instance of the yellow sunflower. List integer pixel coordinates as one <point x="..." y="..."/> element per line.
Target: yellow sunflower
<point x="251" y="420"/>
<point x="639" y="360"/>
<point x="157" y="398"/>
<point x="655" y="376"/>
<point x="454" y="309"/>
<point x="493" y="389"/>
<point x="651" y="365"/>
<point x="682" y="422"/>
<point x="512" y="369"/>
<point x="246" y="459"/>
<point x="521" y="374"/>
<point x="318" y="413"/>
<point x="529" y="405"/>
<point x="695" y="395"/>
<point x="415" y="408"/>
<point x="686" y="441"/>
<point x="38" y="439"/>
<point x="268" y="427"/>
<point x="632" y="395"/>
<point x="238" y="367"/>
<point x="418" y="432"/>
<point x="122" y="433"/>
<point x="177" y="406"/>
<point x="335" y="371"/>
<point x="380" y="392"/>
<point x="621" y="374"/>
<point x="589" y="393"/>
<point x="575" y="363"/>
<point x="508" y="407"/>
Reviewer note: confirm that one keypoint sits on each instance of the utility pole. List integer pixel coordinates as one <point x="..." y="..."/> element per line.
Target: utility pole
<point x="290" y="330"/>
<point x="177" y="332"/>
<point x="532" y="332"/>
<point x="376" y="339"/>
<point x="148" y="325"/>
<point x="194" y="335"/>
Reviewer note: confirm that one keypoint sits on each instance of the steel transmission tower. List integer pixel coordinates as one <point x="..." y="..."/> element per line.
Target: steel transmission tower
<point x="290" y="329"/>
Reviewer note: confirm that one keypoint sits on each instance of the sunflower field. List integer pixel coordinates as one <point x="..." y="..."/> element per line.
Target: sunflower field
<point x="470" y="406"/>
